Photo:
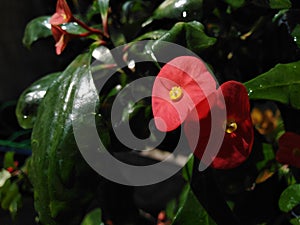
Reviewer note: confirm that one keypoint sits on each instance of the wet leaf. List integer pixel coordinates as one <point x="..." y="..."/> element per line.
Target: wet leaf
<point x="73" y="28"/>
<point x="36" y="29"/>
<point x="30" y="99"/>
<point x="281" y="83"/>
<point x="179" y="9"/>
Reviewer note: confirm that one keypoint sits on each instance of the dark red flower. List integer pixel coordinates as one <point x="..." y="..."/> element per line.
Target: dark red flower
<point x="62" y="15"/>
<point x="236" y="127"/>
<point x="180" y="85"/>
<point x="61" y="38"/>
<point x="289" y="149"/>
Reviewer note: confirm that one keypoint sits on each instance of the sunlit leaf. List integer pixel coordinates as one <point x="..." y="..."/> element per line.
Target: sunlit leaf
<point x="179" y="9"/>
<point x="93" y="218"/>
<point x="289" y="198"/>
<point x="35" y="29"/>
<point x="73" y="28"/>
<point x="31" y="98"/>
<point x="281" y="83"/>
<point x="4" y="176"/>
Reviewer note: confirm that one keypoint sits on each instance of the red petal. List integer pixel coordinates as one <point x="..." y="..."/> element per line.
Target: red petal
<point x="63" y="13"/>
<point x="285" y="154"/>
<point x="192" y="76"/>
<point x="236" y="99"/>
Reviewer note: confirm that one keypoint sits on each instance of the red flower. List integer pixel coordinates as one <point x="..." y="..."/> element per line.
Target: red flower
<point x="61" y="38"/>
<point x="62" y="15"/>
<point x="289" y="149"/>
<point x="180" y="85"/>
<point x="236" y="126"/>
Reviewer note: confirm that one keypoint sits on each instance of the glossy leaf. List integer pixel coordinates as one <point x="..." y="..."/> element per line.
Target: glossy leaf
<point x="35" y="29"/>
<point x="296" y="35"/>
<point x="190" y="35"/>
<point x="289" y="198"/>
<point x="179" y="9"/>
<point x="73" y="28"/>
<point x="93" y="218"/>
<point x="60" y="176"/>
<point x="191" y="212"/>
<point x="31" y="98"/>
<point x="281" y="83"/>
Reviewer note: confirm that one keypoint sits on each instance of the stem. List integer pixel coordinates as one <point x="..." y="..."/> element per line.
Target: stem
<point x="92" y="30"/>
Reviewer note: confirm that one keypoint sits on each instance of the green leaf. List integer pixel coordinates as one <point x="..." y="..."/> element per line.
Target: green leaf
<point x="269" y="155"/>
<point x="9" y="160"/>
<point x="103" y="8"/>
<point x="187" y="169"/>
<point x="60" y="176"/>
<point x="281" y="83"/>
<point x="235" y="3"/>
<point x="179" y="9"/>
<point x="280" y="4"/>
<point x="152" y="35"/>
<point x="4" y="176"/>
<point x="73" y="28"/>
<point x="35" y="29"/>
<point x="296" y="35"/>
<point x="93" y="218"/>
<point x="190" y="35"/>
<point x="191" y="212"/>
<point x="12" y="191"/>
<point x="289" y="198"/>
<point x="30" y="99"/>
<point x="15" y="205"/>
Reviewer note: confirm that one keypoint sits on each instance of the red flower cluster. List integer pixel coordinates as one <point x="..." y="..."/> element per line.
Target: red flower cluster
<point x="289" y="149"/>
<point x="185" y="91"/>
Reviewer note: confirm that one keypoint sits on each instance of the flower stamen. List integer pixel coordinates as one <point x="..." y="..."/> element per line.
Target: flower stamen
<point x="231" y="126"/>
<point x="175" y="93"/>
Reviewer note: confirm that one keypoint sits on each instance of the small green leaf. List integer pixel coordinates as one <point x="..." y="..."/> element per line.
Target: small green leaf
<point x="296" y="35"/>
<point x="280" y="4"/>
<point x="281" y="83"/>
<point x="93" y="218"/>
<point x="35" y="29"/>
<point x="289" y="198"/>
<point x="235" y="3"/>
<point x="15" y="205"/>
<point x="103" y="8"/>
<point x="269" y="155"/>
<point x="30" y="99"/>
<point x="9" y="160"/>
<point x="12" y="191"/>
<point x="191" y="212"/>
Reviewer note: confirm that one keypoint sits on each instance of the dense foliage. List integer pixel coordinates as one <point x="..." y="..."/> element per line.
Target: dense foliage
<point x="254" y="43"/>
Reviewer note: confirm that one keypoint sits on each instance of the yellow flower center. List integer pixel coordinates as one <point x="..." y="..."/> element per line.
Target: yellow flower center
<point x="64" y="16"/>
<point x="296" y="152"/>
<point x="175" y="93"/>
<point x="231" y="126"/>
